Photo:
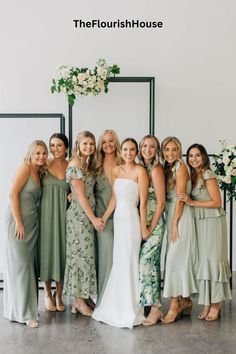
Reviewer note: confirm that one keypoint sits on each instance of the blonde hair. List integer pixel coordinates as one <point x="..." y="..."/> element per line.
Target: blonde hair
<point x="156" y="143"/>
<point x="30" y="152"/>
<point x="170" y="170"/>
<point x="100" y="152"/>
<point x="90" y="165"/>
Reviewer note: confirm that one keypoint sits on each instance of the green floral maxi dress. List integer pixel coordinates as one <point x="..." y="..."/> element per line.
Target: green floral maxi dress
<point x="150" y="255"/>
<point x="80" y="272"/>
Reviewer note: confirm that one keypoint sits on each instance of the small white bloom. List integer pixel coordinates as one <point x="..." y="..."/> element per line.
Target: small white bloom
<point x="226" y="179"/>
<point x="81" y="77"/>
<point x="226" y="160"/>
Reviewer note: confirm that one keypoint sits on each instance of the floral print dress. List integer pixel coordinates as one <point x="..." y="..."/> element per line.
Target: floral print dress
<point x="150" y="254"/>
<point x="80" y="271"/>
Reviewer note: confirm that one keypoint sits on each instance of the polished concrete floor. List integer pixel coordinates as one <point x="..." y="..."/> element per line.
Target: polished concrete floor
<point x="68" y="333"/>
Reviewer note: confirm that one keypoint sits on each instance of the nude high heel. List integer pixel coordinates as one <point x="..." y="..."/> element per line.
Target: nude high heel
<point x="84" y="309"/>
<point x="186" y="305"/>
<point x="155" y="315"/>
<point x="174" y="312"/>
<point x="214" y="313"/>
<point x="203" y="314"/>
<point x="58" y="302"/>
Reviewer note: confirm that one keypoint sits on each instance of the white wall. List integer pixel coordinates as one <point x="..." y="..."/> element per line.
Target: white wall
<point x="192" y="57"/>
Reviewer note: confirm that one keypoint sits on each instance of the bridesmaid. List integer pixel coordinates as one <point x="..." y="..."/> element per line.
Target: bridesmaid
<point x="150" y="273"/>
<point x="213" y="271"/>
<point x="80" y="272"/>
<point x="20" y="290"/>
<point x="53" y="223"/>
<point x="108" y="153"/>
<point x="181" y="258"/>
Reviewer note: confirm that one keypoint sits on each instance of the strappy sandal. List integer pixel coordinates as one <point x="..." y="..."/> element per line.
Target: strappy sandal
<point x="82" y="308"/>
<point x="203" y="314"/>
<point x="173" y="314"/>
<point x="58" y="302"/>
<point x="49" y="303"/>
<point x="214" y="313"/>
<point x="186" y="305"/>
<point x="32" y="324"/>
<point x="155" y="315"/>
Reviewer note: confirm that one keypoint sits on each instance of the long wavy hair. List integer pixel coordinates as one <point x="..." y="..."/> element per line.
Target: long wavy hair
<point x="205" y="161"/>
<point x="89" y="167"/>
<point x="100" y="152"/>
<point x="30" y="152"/>
<point x="170" y="170"/>
<point x="156" y="143"/>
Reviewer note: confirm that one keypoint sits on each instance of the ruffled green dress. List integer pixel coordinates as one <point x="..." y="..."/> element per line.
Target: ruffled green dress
<point x="80" y="271"/>
<point x="150" y="254"/>
<point x="20" y="291"/>
<point x="213" y="270"/>
<point x="182" y="255"/>
<point x="53" y="228"/>
<point x="103" y="192"/>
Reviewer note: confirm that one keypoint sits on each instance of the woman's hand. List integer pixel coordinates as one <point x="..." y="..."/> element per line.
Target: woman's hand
<point x="98" y="224"/>
<point x="69" y="197"/>
<point x="174" y="233"/>
<point x="19" y="231"/>
<point x="145" y="233"/>
<point x="184" y="197"/>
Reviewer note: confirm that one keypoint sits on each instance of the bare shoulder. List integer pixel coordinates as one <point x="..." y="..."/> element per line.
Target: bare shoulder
<point x="74" y="162"/>
<point x="183" y="169"/>
<point x="21" y="176"/>
<point x="140" y="170"/>
<point x="23" y="171"/>
<point x="157" y="170"/>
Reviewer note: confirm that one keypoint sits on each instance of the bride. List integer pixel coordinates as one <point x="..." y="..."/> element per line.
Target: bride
<point x="119" y="304"/>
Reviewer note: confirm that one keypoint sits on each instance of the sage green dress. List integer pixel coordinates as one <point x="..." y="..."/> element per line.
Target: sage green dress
<point x="53" y="228"/>
<point x="20" y="290"/>
<point x="213" y="271"/>
<point x="80" y="271"/>
<point x="103" y="192"/>
<point x="150" y="254"/>
<point x="182" y="255"/>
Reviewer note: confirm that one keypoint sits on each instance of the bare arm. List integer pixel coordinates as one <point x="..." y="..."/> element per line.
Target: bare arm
<point x="112" y="202"/>
<point x="21" y="177"/>
<point x="158" y="182"/>
<point x="143" y="183"/>
<point x="214" y="192"/>
<point x="78" y="187"/>
<point x="182" y="177"/>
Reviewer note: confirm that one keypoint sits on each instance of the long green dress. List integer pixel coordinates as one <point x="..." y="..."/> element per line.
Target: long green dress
<point x="150" y="254"/>
<point x="80" y="271"/>
<point x="103" y="192"/>
<point x="182" y="255"/>
<point x="53" y="228"/>
<point x="213" y="271"/>
<point x="20" y="291"/>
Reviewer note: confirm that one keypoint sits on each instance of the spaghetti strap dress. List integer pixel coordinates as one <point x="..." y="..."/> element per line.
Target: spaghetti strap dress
<point x="20" y="289"/>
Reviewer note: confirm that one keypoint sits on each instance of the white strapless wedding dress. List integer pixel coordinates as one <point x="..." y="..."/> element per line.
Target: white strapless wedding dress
<point x="119" y="304"/>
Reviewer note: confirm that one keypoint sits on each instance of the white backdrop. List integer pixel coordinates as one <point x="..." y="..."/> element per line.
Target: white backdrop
<point x="192" y="58"/>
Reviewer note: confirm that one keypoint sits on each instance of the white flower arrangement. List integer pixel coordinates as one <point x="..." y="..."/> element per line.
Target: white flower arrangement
<point x="75" y="81"/>
<point x="225" y="169"/>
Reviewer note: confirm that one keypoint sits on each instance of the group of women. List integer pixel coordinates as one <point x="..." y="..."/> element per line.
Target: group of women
<point x="101" y="219"/>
